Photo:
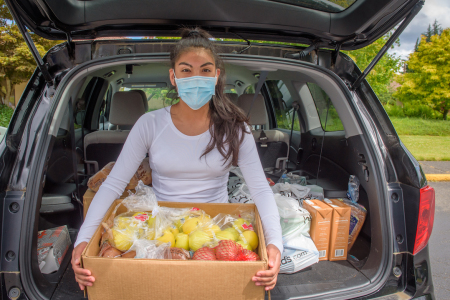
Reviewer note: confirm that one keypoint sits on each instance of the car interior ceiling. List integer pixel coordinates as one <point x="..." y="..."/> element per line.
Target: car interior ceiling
<point x="327" y="158"/>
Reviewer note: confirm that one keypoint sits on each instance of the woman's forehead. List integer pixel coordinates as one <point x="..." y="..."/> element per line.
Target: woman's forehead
<point x="197" y="56"/>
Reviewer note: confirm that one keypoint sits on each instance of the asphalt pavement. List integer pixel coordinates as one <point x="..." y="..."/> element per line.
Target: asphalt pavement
<point x="440" y="241"/>
<point x="435" y="167"/>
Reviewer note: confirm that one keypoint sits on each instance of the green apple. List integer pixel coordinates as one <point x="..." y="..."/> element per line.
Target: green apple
<point x="234" y="232"/>
<point x="167" y="238"/>
<point x="249" y="237"/>
<point x="182" y="241"/>
<point x="198" y="239"/>
<point x="244" y="245"/>
<point x="190" y="225"/>
<point x="225" y="235"/>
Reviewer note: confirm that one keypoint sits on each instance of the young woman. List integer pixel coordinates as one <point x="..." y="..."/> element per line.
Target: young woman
<point x="191" y="146"/>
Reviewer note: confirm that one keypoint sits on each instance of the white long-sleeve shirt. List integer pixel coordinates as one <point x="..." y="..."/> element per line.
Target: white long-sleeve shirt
<point x="180" y="174"/>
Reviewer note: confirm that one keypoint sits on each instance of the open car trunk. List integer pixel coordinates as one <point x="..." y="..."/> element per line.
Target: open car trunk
<point x="328" y="144"/>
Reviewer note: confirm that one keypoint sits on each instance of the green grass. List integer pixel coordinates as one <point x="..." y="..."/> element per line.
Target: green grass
<point x="416" y="126"/>
<point x="428" y="147"/>
<point x="5" y="115"/>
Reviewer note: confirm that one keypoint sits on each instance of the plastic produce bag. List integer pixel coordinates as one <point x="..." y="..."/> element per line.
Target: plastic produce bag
<point x="151" y="249"/>
<point x="353" y="188"/>
<point x="237" y="228"/>
<point x="291" y="190"/>
<point x="143" y="200"/>
<point x="292" y="179"/>
<point x="299" y="249"/>
<point x="241" y="195"/>
<point x="293" y="218"/>
<point x="235" y="182"/>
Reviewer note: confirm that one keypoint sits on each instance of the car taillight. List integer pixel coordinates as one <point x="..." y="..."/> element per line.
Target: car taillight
<point x="426" y="218"/>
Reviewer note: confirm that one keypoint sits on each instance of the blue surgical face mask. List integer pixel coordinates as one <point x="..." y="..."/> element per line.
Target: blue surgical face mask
<point x="196" y="91"/>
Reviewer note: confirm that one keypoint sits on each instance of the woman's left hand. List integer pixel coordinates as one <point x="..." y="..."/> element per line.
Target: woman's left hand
<point x="269" y="278"/>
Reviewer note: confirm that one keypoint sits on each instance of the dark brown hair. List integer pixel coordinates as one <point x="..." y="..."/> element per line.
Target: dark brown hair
<point x="228" y="123"/>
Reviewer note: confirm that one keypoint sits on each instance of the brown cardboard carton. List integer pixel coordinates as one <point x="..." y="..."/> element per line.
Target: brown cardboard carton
<point x="320" y="225"/>
<point x="129" y="278"/>
<point x="89" y="195"/>
<point x="340" y="224"/>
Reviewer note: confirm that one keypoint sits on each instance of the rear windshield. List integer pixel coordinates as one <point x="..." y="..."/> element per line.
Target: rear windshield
<point x="323" y="5"/>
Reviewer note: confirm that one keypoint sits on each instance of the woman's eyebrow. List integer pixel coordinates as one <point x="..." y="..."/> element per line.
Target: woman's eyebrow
<point x="206" y="64"/>
<point x="185" y="63"/>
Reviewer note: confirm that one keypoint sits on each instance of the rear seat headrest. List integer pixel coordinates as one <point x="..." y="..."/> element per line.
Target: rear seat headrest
<point x="126" y="108"/>
<point x="233" y="97"/>
<point x="144" y="98"/>
<point x="258" y="114"/>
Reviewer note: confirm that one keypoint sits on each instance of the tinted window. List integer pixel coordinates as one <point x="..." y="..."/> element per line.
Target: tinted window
<point x="323" y="5"/>
<point x="328" y="115"/>
<point x="282" y="104"/>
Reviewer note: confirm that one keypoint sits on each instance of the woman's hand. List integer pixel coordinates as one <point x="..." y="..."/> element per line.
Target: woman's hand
<point x="82" y="276"/>
<point x="269" y="278"/>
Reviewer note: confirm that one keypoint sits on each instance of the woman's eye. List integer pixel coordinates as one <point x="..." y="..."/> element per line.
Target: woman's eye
<point x="185" y="70"/>
<point x="206" y="70"/>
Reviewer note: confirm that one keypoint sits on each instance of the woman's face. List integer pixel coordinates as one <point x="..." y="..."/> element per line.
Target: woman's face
<point x="197" y="62"/>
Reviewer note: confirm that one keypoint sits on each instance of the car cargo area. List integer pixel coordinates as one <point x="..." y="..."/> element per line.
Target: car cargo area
<point x="326" y="146"/>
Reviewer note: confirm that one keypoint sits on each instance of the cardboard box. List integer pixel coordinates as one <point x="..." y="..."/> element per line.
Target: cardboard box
<point x="130" y="278"/>
<point x="89" y="195"/>
<point x="321" y="215"/>
<point x="340" y="224"/>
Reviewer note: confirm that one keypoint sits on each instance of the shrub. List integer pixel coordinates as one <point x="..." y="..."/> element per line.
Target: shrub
<point x="413" y="110"/>
<point x="5" y="115"/>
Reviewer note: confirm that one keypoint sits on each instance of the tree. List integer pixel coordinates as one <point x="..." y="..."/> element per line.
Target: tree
<point x="437" y="28"/>
<point x="416" y="46"/>
<point x="384" y="71"/>
<point x="429" y="81"/>
<point x="16" y="61"/>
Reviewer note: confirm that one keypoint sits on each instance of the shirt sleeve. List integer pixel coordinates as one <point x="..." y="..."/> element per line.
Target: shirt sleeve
<point x="133" y="152"/>
<point x="261" y="193"/>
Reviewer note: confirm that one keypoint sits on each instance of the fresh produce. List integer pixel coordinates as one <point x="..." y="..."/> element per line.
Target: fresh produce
<point x="107" y="250"/>
<point x="233" y="231"/>
<point x="167" y="238"/>
<point x="123" y="239"/>
<point x="182" y="241"/>
<point x="244" y="245"/>
<point x="190" y="225"/>
<point x="249" y="237"/>
<point x="129" y="254"/>
<point x="179" y="253"/>
<point x="148" y="235"/>
<point x="198" y="239"/>
<point x="174" y="230"/>
<point x="225" y="235"/>
<point x="240" y="225"/>
<point x="211" y="230"/>
<point x="227" y="250"/>
<point x="204" y="253"/>
<point x="123" y="222"/>
<point x="248" y="255"/>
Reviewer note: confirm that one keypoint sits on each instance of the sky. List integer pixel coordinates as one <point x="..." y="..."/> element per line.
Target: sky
<point x="432" y="10"/>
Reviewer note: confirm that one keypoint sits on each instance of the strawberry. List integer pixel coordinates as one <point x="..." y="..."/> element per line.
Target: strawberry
<point x="204" y="253"/>
<point x="247" y="255"/>
<point x="227" y="250"/>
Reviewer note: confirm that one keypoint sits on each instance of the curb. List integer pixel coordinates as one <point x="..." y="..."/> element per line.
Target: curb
<point x="438" y="177"/>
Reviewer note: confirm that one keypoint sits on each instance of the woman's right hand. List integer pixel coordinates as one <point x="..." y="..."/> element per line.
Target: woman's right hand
<point x="82" y="276"/>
